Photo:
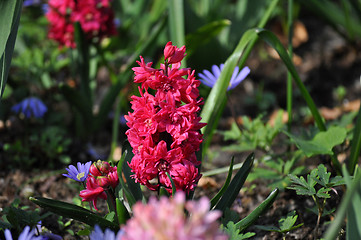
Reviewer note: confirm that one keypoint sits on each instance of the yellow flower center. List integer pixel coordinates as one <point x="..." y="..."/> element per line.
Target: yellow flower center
<point x="80" y="175"/>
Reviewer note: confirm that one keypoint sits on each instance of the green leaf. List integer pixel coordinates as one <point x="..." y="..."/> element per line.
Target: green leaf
<point x="301" y="186"/>
<point x="324" y="176"/>
<point x="75" y="212"/>
<point x="336" y="181"/>
<point x="133" y="187"/>
<point x="232" y="230"/>
<point x="225" y="185"/>
<point x="355" y="144"/>
<point x="233" y="134"/>
<point x="253" y="216"/>
<point x="236" y="184"/>
<point x="322" y="143"/>
<point x="10" y="11"/>
<point x="287" y="224"/>
<point x="172" y="182"/>
<point x="122" y="212"/>
<point x="204" y="34"/>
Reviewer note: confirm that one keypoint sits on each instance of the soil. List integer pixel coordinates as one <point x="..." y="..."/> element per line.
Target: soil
<point x="325" y="61"/>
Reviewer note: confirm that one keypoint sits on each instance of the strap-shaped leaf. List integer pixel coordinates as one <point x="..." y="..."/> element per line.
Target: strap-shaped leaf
<point x="236" y="184"/>
<point x="172" y="182"/>
<point x="225" y="185"/>
<point x="253" y="216"/>
<point x="9" y="21"/>
<point x="133" y="187"/>
<point x="350" y="199"/>
<point x="355" y="144"/>
<point x="122" y="212"/>
<point x="75" y="212"/>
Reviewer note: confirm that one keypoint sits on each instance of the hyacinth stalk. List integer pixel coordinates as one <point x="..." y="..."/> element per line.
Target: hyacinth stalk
<point x="164" y="128"/>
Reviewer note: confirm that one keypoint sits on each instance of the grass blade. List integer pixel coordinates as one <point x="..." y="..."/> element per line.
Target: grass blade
<point x="225" y="186"/>
<point x="236" y="184"/>
<point x="335" y="226"/>
<point x="355" y="145"/>
<point x="253" y="216"/>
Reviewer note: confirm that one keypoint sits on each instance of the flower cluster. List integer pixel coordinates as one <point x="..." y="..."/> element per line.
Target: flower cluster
<point x="99" y="176"/>
<point x="30" y="107"/>
<point x="96" y="19"/>
<point x="164" y="129"/>
<point x="166" y="219"/>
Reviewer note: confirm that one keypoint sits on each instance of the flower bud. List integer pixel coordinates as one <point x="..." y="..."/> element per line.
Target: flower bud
<point x="103" y="166"/>
<point x="113" y="178"/>
<point x="103" y="181"/>
<point x="94" y="170"/>
<point x="168" y="50"/>
<point x="178" y="55"/>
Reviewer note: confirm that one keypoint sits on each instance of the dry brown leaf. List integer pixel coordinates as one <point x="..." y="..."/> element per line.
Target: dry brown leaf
<point x="351" y="106"/>
<point x="207" y="182"/>
<point x="330" y="113"/>
<point x="273" y="117"/>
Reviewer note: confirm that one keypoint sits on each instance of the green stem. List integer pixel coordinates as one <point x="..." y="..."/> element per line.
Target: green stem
<point x="115" y="127"/>
<point x="290" y="52"/>
<point x="176" y="24"/>
<point x="112" y="206"/>
<point x="261" y="24"/>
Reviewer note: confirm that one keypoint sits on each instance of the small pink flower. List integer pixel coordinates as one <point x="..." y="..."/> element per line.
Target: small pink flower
<point x="113" y="178"/>
<point x="94" y="170"/>
<point x="174" y="54"/>
<point x="92" y="192"/>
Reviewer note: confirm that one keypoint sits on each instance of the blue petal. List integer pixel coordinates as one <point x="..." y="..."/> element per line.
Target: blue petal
<point x="8" y="235"/>
<point x="216" y="71"/>
<point x="210" y="76"/>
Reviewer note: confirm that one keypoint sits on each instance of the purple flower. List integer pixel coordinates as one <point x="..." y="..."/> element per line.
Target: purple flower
<point x="26" y="234"/>
<point x="28" y="3"/>
<point x="79" y="174"/>
<point x="30" y="107"/>
<point x="210" y="79"/>
<point x="108" y="234"/>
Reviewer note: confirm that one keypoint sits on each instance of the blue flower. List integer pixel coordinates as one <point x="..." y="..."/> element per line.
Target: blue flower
<point x="26" y="234"/>
<point x="108" y="234"/>
<point x="30" y="107"/>
<point x="210" y="79"/>
<point x="79" y="174"/>
<point x="28" y="3"/>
